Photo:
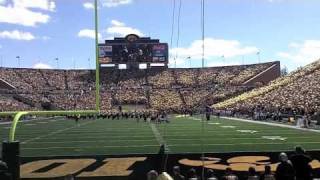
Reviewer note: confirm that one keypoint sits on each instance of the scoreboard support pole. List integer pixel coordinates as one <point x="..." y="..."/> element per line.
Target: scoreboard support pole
<point x="97" y="57"/>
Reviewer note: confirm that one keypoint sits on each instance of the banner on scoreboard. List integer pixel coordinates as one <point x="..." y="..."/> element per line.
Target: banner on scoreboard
<point x="105" y="54"/>
<point x="133" y="53"/>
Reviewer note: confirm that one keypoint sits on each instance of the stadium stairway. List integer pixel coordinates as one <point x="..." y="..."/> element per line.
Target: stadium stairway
<point x="44" y="77"/>
<point x="272" y="72"/>
<point x="66" y="80"/>
<point x="6" y="85"/>
<point x="24" y="100"/>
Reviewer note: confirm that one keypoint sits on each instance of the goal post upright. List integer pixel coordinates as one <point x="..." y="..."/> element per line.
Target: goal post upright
<point x="97" y="57"/>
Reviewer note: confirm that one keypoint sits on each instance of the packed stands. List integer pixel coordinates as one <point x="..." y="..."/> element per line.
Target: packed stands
<point x="297" y="91"/>
<point x="10" y="104"/>
<point x="156" y="88"/>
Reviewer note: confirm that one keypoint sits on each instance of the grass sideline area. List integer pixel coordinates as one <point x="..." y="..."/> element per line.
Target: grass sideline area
<point x="63" y="137"/>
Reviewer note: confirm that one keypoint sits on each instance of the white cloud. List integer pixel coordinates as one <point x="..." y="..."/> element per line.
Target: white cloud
<point x="17" y="35"/>
<point x="3" y="2"/>
<point x="302" y="53"/>
<point x="41" y="66"/>
<point x="219" y="63"/>
<point x="294" y="45"/>
<point x="115" y="3"/>
<point x="176" y="61"/>
<point x="214" y="48"/>
<point x="45" y="38"/>
<point x="118" y="28"/>
<point x="21" y="16"/>
<point x="88" y="5"/>
<point x="117" y="23"/>
<point x="47" y="5"/>
<point x="88" y="33"/>
<point x="22" y="12"/>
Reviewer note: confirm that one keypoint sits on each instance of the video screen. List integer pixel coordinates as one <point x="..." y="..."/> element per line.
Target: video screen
<point x="130" y="53"/>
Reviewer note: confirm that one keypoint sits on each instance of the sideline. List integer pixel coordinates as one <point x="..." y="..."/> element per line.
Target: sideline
<point x="271" y="124"/>
<point x="141" y="140"/>
<point x="31" y="120"/>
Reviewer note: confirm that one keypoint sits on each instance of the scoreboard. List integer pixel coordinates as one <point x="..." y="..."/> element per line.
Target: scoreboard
<point x="133" y="49"/>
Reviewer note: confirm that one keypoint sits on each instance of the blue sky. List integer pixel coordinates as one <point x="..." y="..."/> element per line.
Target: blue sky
<point x="39" y="31"/>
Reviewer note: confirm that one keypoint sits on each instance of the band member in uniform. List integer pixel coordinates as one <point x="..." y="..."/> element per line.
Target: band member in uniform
<point x="208" y="113"/>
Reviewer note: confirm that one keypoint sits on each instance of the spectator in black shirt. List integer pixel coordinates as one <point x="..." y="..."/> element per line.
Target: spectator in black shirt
<point x="300" y="162"/>
<point x="176" y="173"/>
<point x="192" y="174"/>
<point x="285" y="170"/>
<point x="229" y="175"/>
<point x="267" y="175"/>
<point x="210" y="175"/>
<point x="252" y="174"/>
<point x="4" y="174"/>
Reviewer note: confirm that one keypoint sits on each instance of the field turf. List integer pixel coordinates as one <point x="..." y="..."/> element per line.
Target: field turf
<point x="59" y="137"/>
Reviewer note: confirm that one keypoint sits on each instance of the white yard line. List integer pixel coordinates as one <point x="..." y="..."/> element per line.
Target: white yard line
<point x="229" y="144"/>
<point x="179" y="135"/>
<point x="272" y="124"/>
<point x="158" y="136"/>
<point x="132" y="146"/>
<point x="174" y="145"/>
<point x="100" y="141"/>
<point x="142" y="140"/>
<point x="55" y="132"/>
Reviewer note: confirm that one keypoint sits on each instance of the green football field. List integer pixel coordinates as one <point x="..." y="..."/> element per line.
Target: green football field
<point x="59" y="137"/>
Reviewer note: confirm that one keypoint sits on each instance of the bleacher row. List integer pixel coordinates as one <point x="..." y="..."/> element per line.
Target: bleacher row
<point x="159" y="89"/>
<point x="298" y="91"/>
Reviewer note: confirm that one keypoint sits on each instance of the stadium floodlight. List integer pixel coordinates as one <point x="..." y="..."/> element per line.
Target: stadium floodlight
<point x="258" y="54"/>
<point x="74" y="63"/>
<point x="1" y="61"/>
<point x="57" y="61"/>
<point x="189" y="57"/>
<point x="18" y="58"/>
<point x="223" y="58"/>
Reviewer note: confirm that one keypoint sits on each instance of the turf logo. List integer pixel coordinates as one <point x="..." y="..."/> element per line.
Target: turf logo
<point x="214" y="123"/>
<point x="62" y="167"/>
<point x="238" y="163"/>
<point x="247" y="131"/>
<point x="232" y="127"/>
<point x="274" y="138"/>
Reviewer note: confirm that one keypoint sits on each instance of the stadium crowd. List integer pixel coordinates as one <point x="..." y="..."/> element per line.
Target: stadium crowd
<point x="296" y="94"/>
<point x="175" y="90"/>
<point x="159" y="89"/>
